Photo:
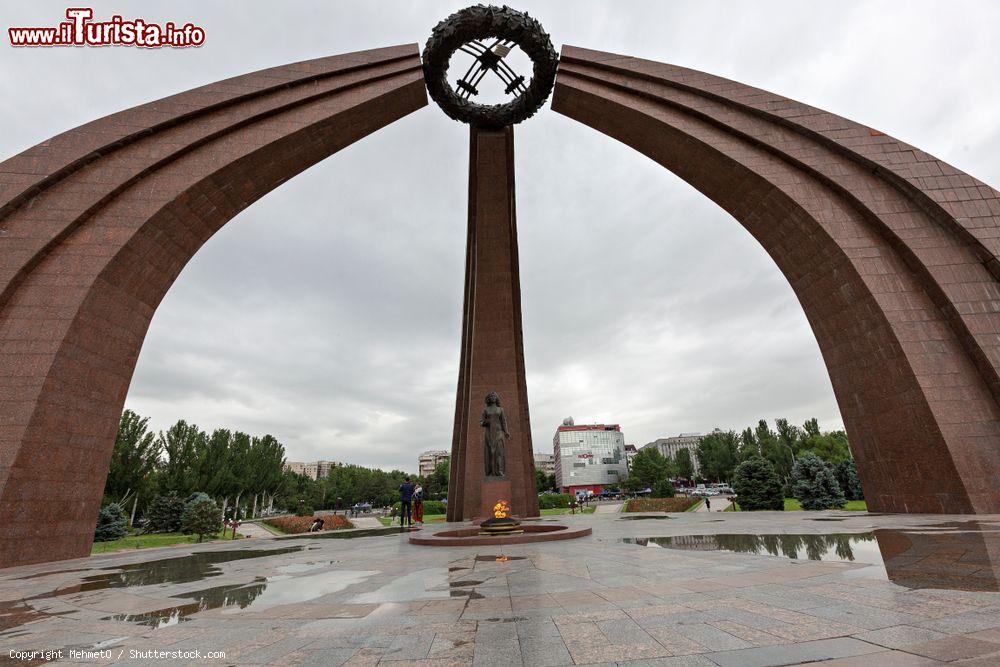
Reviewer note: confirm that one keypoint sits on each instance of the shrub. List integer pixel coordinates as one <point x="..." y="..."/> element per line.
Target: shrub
<point x="548" y="501"/>
<point x="164" y="514"/>
<point x="304" y="509"/>
<point x="664" y="489"/>
<point x="430" y="507"/>
<point x="660" y="504"/>
<point x="847" y="477"/>
<point x="201" y="517"/>
<point x="814" y="484"/>
<point x="757" y="486"/>
<point x="302" y="524"/>
<point x="112" y="524"/>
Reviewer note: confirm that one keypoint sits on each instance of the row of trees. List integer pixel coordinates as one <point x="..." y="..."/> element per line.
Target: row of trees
<point x="720" y="452"/>
<point x="815" y="483"/>
<point x="231" y="466"/>
<point x="239" y="472"/>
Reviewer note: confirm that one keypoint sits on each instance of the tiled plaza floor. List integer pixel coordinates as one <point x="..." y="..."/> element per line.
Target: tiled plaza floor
<point x="595" y="600"/>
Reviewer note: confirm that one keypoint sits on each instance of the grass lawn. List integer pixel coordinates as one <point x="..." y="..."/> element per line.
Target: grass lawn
<point x="793" y="505"/>
<point x="565" y="510"/>
<point x="150" y="541"/>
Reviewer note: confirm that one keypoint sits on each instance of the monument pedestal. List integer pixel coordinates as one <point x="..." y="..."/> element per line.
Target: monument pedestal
<point x="492" y="356"/>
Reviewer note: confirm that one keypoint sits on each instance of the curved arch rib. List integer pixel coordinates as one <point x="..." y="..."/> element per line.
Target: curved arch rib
<point x="892" y="253"/>
<point x="96" y="225"/>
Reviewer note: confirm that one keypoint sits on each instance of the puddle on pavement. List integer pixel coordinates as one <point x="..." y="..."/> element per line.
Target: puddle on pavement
<point x="15" y="613"/>
<point x="914" y="557"/>
<point x="493" y="559"/>
<point x="829" y="518"/>
<point x="642" y="518"/>
<point x="177" y="570"/>
<point x="262" y="593"/>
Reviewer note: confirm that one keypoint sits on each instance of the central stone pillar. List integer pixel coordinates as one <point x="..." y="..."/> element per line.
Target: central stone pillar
<point x="492" y="356"/>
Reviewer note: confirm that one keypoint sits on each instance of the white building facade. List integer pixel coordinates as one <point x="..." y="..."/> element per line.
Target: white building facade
<point x="589" y="457"/>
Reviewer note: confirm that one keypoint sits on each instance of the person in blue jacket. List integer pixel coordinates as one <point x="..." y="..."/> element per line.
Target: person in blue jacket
<point x="405" y="501"/>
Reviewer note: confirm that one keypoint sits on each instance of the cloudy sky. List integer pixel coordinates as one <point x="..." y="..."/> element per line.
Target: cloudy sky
<point x="328" y="313"/>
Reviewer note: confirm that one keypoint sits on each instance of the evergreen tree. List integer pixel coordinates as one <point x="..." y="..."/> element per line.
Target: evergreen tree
<point x="201" y="517"/>
<point x="165" y="514"/>
<point x="757" y="485"/>
<point x="815" y="485"/>
<point x="112" y="524"/>
<point x="847" y="477"/>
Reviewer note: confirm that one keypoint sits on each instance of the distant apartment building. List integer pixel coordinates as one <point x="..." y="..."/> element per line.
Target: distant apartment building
<point x="430" y="459"/>
<point x="546" y="463"/>
<point x="670" y="446"/>
<point x="314" y="469"/>
<point x="630" y="452"/>
<point x="589" y="457"/>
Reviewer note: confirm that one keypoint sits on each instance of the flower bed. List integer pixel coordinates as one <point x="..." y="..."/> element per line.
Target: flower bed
<point x="660" y="504"/>
<point x="301" y="524"/>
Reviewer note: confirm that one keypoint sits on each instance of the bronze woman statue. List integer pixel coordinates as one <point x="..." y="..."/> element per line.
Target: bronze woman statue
<point x="494" y="421"/>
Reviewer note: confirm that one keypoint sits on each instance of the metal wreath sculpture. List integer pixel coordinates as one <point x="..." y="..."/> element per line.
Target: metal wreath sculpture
<point x="507" y="27"/>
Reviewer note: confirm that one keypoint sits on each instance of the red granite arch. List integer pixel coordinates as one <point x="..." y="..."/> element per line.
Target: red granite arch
<point x="892" y="253"/>
<point x="95" y="225"/>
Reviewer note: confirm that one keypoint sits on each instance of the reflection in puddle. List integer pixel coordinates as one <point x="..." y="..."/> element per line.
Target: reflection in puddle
<point x="641" y="518"/>
<point x="179" y="570"/>
<point x="841" y="547"/>
<point x="966" y="559"/>
<point x="262" y="593"/>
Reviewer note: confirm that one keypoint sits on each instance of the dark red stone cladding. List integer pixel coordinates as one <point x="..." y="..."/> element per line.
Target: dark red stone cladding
<point x="492" y="357"/>
<point x="98" y="222"/>
<point x="892" y="253"/>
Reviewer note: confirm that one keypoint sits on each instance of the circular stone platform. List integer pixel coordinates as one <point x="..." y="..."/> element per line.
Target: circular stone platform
<point x="469" y="537"/>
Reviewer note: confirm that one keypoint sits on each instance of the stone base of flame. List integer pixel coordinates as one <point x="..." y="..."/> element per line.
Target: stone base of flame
<point x="500" y="526"/>
<point x="475" y="536"/>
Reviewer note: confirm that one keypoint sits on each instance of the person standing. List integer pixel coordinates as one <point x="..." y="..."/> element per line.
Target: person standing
<point x="406" y="490"/>
<point x="418" y="504"/>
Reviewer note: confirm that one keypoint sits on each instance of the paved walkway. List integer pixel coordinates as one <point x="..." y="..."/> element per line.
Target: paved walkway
<point x="679" y="590"/>
<point x="366" y="522"/>
<point x="608" y="508"/>
<point x="255" y="531"/>
<point x="719" y="504"/>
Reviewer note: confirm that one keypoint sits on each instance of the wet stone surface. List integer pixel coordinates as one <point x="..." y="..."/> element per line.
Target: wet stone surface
<point x="740" y="589"/>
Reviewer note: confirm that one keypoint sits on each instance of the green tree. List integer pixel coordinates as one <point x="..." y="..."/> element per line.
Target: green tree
<point x="133" y="461"/>
<point x="757" y="485"/>
<point x="815" y="485"/>
<point x="201" y="517"/>
<point x="717" y="455"/>
<point x="437" y="481"/>
<point x="685" y="466"/>
<point x="112" y="524"/>
<point x="649" y="467"/>
<point x="830" y="447"/>
<point x="164" y="514"/>
<point x="847" y="477"/>
<point x="663" y="489"/>
<point x="541" y="481"/>
<point x="180" y="446"/>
